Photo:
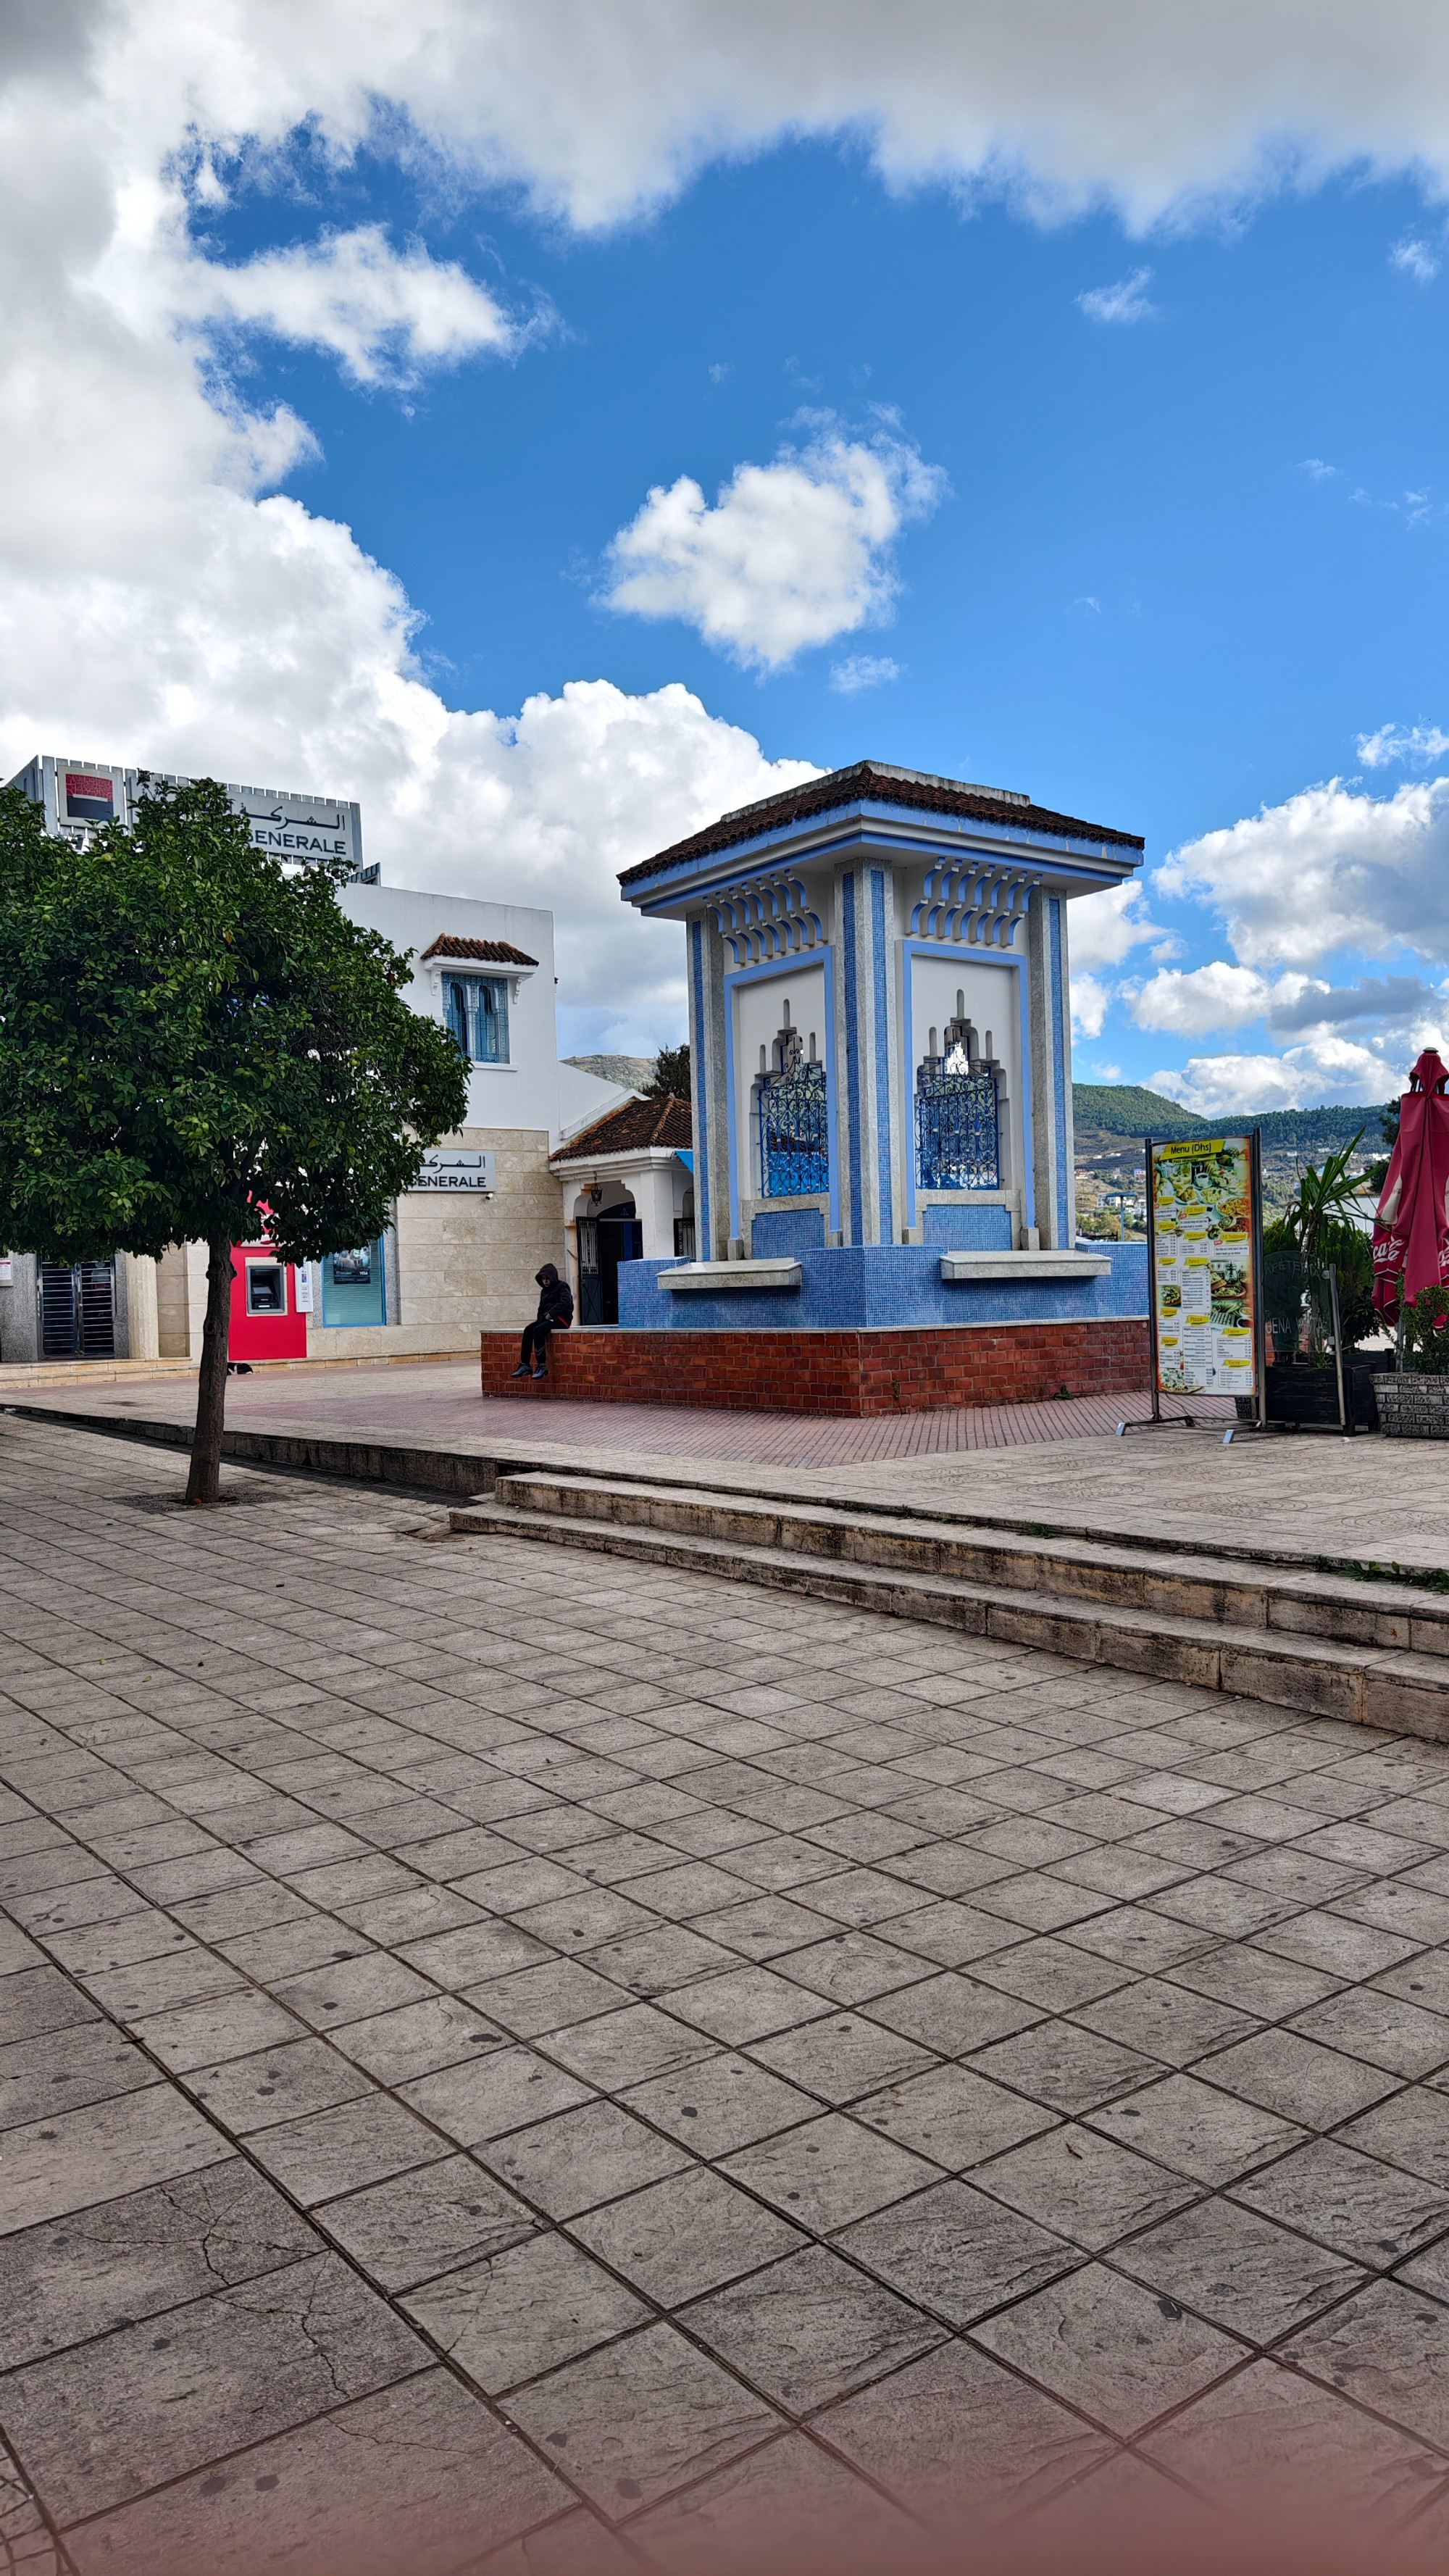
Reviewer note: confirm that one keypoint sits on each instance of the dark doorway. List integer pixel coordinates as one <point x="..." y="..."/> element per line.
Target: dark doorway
<point x="78" y="1310"/>
<point x="605" y="1240"/>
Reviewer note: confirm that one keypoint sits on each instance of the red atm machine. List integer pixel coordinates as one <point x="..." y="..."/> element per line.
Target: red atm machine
<point x="268" y="1321"/>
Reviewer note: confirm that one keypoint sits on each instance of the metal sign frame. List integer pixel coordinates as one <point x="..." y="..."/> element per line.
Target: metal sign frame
<point x="1158" y="1420"/>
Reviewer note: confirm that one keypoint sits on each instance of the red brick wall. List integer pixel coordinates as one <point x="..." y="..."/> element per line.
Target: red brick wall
<point x="832" y="1372"/>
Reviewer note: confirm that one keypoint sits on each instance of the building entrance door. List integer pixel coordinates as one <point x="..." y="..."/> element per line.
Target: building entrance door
<point x="77" y="1310"/>
<point x="605" y="1240"/>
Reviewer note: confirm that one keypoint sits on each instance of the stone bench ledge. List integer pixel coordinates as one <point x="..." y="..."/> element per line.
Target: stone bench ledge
<point x="959" y="1267"/>
<point x="782" y="1273"/>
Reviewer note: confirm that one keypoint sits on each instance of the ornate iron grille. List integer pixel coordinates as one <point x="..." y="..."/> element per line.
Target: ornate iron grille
<point x="958" y="1133"/>
<point x="794" y="1126"/>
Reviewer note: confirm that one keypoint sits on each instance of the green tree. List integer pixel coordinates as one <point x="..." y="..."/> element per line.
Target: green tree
<point x="197" y="1046"/>
<point x="1315" y="1234"/>
<point x="670" y="1077"/>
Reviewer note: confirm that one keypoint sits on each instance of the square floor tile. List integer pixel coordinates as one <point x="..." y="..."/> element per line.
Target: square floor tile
<point x="720" y="2103"/>
<point x="496" y="2090"/>
<point x="636" y="2419"/>
<point x="523" y="2311"/>
<point x="745" y="2004"/>
<point x="1386" y="2029"/>
<point x="1410" y="2129"/>
<point x="1117" y="2351"/>
<point x="953" y="2115"/>
<point x="829" y="2171"/>
<point x="1388" y="2349"/>
<point x="686" y="2235"/>
<point x="842" y="2057"/>
<point x="1065" y="2066"/>
<point x="1266" y="2426"/>
<point x="417" y="2039"/>
<point x="340" y="2150"/>
<point x="851" y="1968"/>
<point x="249" y="2093"/>
<point x="581" y="2158"/>
<point x="952" y="2014"/>
<point x="1239" y="2270"/>
<point x="957" y="2253"/>
<point x="1298" y="2078"/>
<point x="1083" y="2186"/>
<point x="1196" y="2130"/>
<point x="955" y="2431"/>
<point x="420" y="2223"/>
<point x="811" y="2328"/>
<point x="1051" y="1974"/>
<point x="1363" y="2208"/>
<point x="1166" y="2021"/>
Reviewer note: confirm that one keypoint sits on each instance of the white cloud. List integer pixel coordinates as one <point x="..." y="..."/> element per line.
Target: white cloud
<point x="1091" y="1001"/>
<point x="1416" y="260"/>
<point x="1328" y="1070"/>
<point x="382" y="314"/>
<point x="1103" y="929"/>
<point x="157" y="605"/>
<point x="1395" y="746"/>
<point x="1126" y="301"/>
<point x="1220" y="996"/>
<point x="1317" y="472"/>
<point x="1328" y="869"/>
<point x="862" y="671"/>
<point x="792" y="554"/>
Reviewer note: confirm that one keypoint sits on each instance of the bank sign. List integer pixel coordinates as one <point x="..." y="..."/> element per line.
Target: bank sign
<point x="456" y="1167"/>
<point x="301" y="831"/>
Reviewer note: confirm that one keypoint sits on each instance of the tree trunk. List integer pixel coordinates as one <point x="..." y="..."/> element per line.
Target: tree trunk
<point x="203" y="1485"/>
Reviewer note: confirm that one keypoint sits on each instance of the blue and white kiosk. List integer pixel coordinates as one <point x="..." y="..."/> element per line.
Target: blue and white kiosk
<point x="881" y="1051"/>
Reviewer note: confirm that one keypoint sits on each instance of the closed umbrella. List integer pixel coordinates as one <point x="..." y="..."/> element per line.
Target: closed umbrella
<point x="1411" y="1230"/>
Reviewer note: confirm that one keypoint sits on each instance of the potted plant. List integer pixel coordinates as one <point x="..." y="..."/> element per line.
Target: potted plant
<point x="1414" y="1403"/>
<point x="1316" y="1235"/>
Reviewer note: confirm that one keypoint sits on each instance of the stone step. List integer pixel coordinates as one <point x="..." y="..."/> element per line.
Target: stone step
<point x="1243" y="1592"/>
<point x="1402" y="1692"/>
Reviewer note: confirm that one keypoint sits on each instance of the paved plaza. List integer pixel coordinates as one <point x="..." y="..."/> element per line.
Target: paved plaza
<point x="559" y="2048"/>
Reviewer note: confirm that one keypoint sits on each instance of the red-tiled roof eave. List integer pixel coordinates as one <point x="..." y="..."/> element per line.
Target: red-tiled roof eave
<point x="635" y="1127"/>
<point x="487" y="952"/>
<point x="851" y="786"/>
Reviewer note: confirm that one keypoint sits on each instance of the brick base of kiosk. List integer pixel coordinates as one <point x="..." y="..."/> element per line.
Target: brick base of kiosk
<point x="862" y="1372"/>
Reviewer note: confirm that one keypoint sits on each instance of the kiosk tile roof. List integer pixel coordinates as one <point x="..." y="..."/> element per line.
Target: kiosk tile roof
<point x="632" y="1129"/>
<point x="485" y="952"/>
<point x="879" y="782"/>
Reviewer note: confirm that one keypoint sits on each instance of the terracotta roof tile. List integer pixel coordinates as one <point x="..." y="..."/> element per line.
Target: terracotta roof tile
<point x="882" y="785"/>
<point x="632" y="1129"/>
<point x="485" y="952"/>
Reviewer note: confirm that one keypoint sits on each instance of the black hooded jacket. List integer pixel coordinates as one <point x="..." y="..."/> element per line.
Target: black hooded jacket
<point x="556" y="1298"/>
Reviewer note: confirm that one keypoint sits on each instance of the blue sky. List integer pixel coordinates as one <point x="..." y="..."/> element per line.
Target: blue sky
<point x="1147" y="518"/>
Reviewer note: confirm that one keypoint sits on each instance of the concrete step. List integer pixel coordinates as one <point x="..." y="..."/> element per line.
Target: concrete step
<point x="1244" y="1592"/>
<point x="1406" y="1693"/>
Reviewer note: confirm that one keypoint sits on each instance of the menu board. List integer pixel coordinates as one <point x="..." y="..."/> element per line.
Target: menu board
<point x="1201" y="1201"/>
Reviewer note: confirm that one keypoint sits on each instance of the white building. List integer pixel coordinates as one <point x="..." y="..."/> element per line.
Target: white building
<point x="462" y="1248"/>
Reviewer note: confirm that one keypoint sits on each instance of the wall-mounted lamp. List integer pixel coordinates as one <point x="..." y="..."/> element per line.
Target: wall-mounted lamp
<point x="596" y="1192"/>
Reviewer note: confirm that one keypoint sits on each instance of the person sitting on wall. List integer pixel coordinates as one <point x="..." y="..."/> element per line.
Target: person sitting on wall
<point x="555" y="1314"/>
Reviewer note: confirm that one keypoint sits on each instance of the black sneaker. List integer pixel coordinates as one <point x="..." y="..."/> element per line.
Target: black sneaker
<point x="522" y="1369"/>
<point x="540" y="1372"/>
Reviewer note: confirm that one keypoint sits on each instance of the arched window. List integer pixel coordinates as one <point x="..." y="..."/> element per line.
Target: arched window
<point x="791" y="1119"/>
<point x="958" y="1129"/>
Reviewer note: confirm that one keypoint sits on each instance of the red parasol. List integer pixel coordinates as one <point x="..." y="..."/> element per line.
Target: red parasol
<point x="1411" y="1230"/>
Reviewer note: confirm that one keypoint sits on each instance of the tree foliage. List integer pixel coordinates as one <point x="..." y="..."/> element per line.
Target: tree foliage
<point x="197" y="1046"/>
<point x="670" y="1077"/>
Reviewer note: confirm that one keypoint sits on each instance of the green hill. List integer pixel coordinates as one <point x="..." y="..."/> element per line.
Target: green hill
<point x="1126" y="1109"/>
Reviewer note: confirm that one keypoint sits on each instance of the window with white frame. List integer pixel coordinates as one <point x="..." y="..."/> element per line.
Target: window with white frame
<point x="475" y="1008"/>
